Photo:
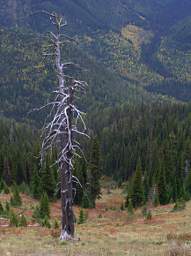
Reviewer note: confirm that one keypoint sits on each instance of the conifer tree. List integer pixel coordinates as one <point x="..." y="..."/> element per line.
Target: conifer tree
<point x="81" y="217"/>
<point x="36" y="188"/>
<point x="94" y="173"/>
<point x="162" y="188"/>
<point x="137" y="187"/>
<point x="47" y="180"/>
<point x="44" y="207"/>
<point x="15" y="198"/>
<point x="22" y="221"/>
<point x="80" y="171"/>
<point x="188" y="184"/>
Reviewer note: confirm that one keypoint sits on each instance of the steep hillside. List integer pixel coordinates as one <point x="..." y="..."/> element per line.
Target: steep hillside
<point x="27" y="79"/>
<point x="137" y="39"/>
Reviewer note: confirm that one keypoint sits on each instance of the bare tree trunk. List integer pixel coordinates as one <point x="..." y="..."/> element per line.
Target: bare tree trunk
<point x="67" y="229"/>
<point x="63" y="127"/>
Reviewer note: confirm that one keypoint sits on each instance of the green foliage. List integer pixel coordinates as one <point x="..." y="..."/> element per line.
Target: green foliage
<point x="14" y="222"/>
<point x="22" y="221"/>
<point x="137" y="187"/>
<point x="162" y="188"/>
<point x="94" y="173"/>
<point x="47" y="181"/>
<point x="82" y="218"/>
<point x="156" y="200"/>
<point x="1" y="209"/>
<point x="7" y="207"/>
<point x="5" y="188"/>
<point x="43" y="210"/>
<point x="86" y="202"/>
<point x="45" y="222"/>
<point x="15" y="199"/>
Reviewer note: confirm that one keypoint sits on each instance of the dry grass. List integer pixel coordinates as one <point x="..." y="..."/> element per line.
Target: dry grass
<point x="108" y="231"/>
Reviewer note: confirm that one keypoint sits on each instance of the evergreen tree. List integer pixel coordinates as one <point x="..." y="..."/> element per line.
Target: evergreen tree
<point x="81" y="217"/>
<point x="44" y="207"/>
<point x="188" y="184"/>
<point x="47" y="180"/>
<point x="94" y="173"/>
<point x="36" y="188"/>
<point x="80" y="171"/>
<point x="13" y="220"/>
<point x="162" y="188"/>
<point x="22" y="221"/>
<point x="137" y="187"/>
<point x="15" y="198"/>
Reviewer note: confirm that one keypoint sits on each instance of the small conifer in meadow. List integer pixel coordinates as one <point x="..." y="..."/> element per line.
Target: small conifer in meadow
<point x="15" y="198"/>
<point x="45" y="222"/>
<point x="1" y="209"/>
<point x="43" y="209"/>
<point x="22" y="221"/>
<point x="81" y="217"/>
<point x="7" y="208"/>
<point x="13" y="220"/>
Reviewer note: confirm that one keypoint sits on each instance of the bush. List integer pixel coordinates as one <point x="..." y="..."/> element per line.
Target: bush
<point x="45" y="222"/>
<point x="22" y="221"/>
<point x="82" y="218"/>
<point x="43" y="209"/>
<point x="13" y="220"/>
<point x="1" y="209"/>
<point x="15" y="198"/>
<point x="7" y="208"/>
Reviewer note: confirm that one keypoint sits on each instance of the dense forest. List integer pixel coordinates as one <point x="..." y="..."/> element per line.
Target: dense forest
<point x="157" y="136"/>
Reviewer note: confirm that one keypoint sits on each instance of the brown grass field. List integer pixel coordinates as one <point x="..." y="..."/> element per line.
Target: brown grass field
<point x="107" y="231"/>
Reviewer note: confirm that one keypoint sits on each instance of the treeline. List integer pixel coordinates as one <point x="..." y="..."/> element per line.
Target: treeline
<point x="20" y="166"/>
<point x="153" y="138"/>
<point x="147" y="145"/>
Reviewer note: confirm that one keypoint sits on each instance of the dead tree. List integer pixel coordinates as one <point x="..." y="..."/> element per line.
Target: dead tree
<point x="65" y="123"/>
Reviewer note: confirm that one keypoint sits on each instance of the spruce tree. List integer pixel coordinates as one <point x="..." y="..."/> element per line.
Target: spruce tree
<point x="162" y="188"/>
<point x="16" y="198"/>
<point x="188" y="184"/>
<point x="47" y="180"/>
<point x="22" y="221"/>
<point x="81" y="217"/>
<point x="44" y="207"/>
<point x="94" y="173"/>
<point x="35" y="186"/>
<point x="80" y="171"/>
<point x="137" y="195"/>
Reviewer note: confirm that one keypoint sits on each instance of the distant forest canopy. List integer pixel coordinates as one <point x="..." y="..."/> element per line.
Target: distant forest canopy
<point x="157" y="135"/>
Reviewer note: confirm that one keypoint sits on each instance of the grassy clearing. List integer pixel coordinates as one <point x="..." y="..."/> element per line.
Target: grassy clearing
<point x="108" y="231"/>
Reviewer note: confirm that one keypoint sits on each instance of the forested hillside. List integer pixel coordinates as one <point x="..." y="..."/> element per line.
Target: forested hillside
<point x="129" y="56"/>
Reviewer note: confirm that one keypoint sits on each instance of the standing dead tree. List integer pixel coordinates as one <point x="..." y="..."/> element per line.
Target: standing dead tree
<point x="65" y="122"/>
